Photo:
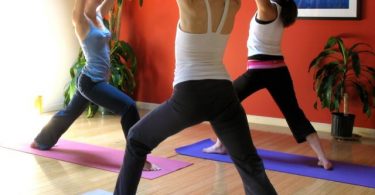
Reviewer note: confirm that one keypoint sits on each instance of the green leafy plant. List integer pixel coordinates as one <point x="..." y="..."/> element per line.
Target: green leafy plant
<point x="122" y="58"/>
<point x="339" y="67"/>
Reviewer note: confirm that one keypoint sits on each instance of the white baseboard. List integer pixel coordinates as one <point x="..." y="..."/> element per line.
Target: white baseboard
<point x="321" y="127"/>
<point x="146" y="106"/>
<point x="52" y="107"/>
<point x="262" y="120"/>
<point x="58" y="106"/>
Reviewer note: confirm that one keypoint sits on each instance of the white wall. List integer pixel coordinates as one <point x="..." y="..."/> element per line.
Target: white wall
<point x="37" y="48"/>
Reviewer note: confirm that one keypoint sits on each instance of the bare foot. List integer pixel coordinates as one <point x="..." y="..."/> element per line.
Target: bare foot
<point x="34" y="145"/>
<point x="325" y="164"/>
<point x="215" y="149"/>
<point x="150" y="167"/>
<point x="37" y="146"/>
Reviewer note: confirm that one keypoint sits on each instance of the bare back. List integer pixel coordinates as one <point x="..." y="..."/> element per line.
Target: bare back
<point x="193" y="15"/>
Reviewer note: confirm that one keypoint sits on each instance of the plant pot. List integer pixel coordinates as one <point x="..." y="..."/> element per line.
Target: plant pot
<point x="342" y="125"/>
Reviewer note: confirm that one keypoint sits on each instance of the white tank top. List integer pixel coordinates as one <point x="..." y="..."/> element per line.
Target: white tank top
<point x="265" y="38"/>
<point x="200" y="56"/>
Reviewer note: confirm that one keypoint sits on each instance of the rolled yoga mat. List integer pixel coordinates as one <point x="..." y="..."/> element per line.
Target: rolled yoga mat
<point x="294" y="164"/>
<point x="96" y="157"/>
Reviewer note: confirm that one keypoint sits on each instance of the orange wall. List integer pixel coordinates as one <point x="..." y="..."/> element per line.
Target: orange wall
<point x="151" y="31"/>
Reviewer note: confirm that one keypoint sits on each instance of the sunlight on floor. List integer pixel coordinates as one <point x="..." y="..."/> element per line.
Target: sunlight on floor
<point x="11" y="177"/>
<point x="21" y="121"/>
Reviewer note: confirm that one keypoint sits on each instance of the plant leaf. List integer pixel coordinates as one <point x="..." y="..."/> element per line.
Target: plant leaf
<point x="91" y="110"/>
<point x="331" y="42"/>
<point x="343" y="50"/>
<point x="356" y="63"/>
<point x="363" y="94"/>
<point x="316" y="61"/>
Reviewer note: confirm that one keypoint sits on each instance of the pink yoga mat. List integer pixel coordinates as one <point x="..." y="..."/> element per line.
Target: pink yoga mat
<point x="99" y="157"/>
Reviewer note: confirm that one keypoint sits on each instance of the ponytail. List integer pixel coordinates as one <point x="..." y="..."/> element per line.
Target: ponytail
<point x="289" y="12"/>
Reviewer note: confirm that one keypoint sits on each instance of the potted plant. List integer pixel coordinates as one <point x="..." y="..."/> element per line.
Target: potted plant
<point x="123" y="62"/>
<point x="339" y="76"/>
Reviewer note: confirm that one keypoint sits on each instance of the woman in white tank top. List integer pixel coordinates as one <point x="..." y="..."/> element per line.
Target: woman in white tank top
<point x="202" y="92"/>
<point x="267" y="69"/>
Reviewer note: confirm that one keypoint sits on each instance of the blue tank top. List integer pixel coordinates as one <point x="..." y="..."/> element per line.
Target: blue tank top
<point x="97" y="53"/>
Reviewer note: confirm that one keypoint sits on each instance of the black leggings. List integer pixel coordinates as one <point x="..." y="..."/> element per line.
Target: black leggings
<point x="101" y="93"/>
<point x="191" y="103"/>
<point x="280" y="85"/>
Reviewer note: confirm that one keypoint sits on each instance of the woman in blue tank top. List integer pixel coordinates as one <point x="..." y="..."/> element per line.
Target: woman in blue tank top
<point x="92" y="83"/>
<point x="266" y="69"/>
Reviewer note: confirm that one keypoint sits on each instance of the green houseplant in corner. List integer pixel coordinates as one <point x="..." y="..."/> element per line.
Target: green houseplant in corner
<point x="123" y="61"/>
<point x="340" y="75"/>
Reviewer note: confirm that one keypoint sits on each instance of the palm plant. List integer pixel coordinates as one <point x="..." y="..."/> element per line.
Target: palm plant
<point x="339" y="67"/>
<point x="122" y="58"/>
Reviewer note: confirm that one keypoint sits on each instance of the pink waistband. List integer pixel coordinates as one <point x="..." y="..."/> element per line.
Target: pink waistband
<point x="260" y="64"/>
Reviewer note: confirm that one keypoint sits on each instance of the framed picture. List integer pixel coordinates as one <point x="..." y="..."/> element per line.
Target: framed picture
<point x="328" y="9"/>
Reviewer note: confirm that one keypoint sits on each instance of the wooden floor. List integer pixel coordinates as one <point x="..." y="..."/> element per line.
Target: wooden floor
<point x="22" y="173"/>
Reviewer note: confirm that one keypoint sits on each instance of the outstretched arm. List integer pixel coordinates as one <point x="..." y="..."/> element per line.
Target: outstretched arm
<point x="79" y="19"/>
<point x="266" y="10"/>
<point x="105" y="7"/>
<point x="79" y="12"/>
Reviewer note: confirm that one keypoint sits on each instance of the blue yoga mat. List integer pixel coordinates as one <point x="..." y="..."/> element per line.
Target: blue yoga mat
<point x="294" y="164"/>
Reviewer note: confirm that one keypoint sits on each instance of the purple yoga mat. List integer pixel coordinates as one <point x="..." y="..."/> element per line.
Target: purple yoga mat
<point x="294" y="164"/>
<point x="99" y="157"/>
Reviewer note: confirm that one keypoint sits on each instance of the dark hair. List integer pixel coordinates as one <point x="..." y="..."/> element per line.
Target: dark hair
<point x="289" y="11"/>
